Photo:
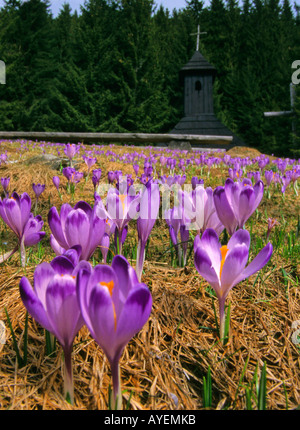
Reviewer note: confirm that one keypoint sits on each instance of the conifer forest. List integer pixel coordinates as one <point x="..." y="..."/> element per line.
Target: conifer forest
<point x="114" y="67"/>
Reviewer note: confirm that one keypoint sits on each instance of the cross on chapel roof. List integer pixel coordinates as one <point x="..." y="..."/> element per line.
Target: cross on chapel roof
<point x="198" y="36"/>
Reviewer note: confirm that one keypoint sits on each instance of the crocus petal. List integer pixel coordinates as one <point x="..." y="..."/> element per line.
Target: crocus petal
<point x="77" y="228"/>
<point x="246" y="205"/>
<point x="84" y="206"/>
<point x="56" y="227"/>
<point x="59" y="250"/>
<point x="173" y="235"/>
<point x="73" y="254"/>
<point x="34" y="238"/>
<point x="239" y="237"/>
<point x="83" y="296"/>
<point x="42" y="276"/>
<point x="25" y="207"/>
<point x="13" y="215"/>
<point x="3" y="212"/>
<point x="259" y="192"/>
<point x="235" y="262"/>
<point x="62" y="265"/>
<point x="64" y="212"/>
<point x="134" y="315"/>
<point x="257" y="263"/>
<point x="210" y="243"/>
<point x="96" y="232"/>
<point x="33" y="304"/>
<point x="126" y="278"/>
<point x="62" y="309"/>
<point x="32" y="233"/>
<point x="149" y="207"/>
<point x="205" y="268"/>
<point x="101" y="312"/>
<point x="104" y="246"/>
<point x="224" y="210"/>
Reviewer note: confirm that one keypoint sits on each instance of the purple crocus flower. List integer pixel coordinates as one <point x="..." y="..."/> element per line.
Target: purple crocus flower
<point x="76" y="226"/>
<point x="111" y="176"/>
<point x="236" y="202"/>
<point x="56" y="182"/>
<point x="285" y="179"/>
<point x="136" y="169"/>
<point x="173" y="219"/>
<point x="223" y="267"/>
<point x="149" y="208"/>
<point x="114" y="306"/>
<point x="211" y="219"/>
<point x="177" y="223"/>
<point x="70" y="150"/>
<point x="5" y="183"/>
<point x="16" y="213"/>
<point x="89" y="161"/>
<point x="3" y="157"/>
<point x="96" y="177"/>
<point x="76" y="177"/>
<point x="199" y="207"/>
<point x="53" y="303"/>
<point x="68" y="172"/>
<point x="256" y="176"/>
<point x="73" y="177"/>
<point x="196" y="181"/>
<point x="118" y="174"/>
<point x="110" y="228"/>
<point x="122" y="206"/>
<point x="162" y="160"/>
<point x="32" y="231"/>
<point x="38" y="189"/>
<point x="271" y="224"/>
<point x="295" y="174"/>
<point x="269" y="176"/>
<point x="143" y="179"/>
<point x="184" y="238"/>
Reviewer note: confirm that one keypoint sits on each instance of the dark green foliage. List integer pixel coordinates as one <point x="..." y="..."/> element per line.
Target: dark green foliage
<point x="114" y="67"/>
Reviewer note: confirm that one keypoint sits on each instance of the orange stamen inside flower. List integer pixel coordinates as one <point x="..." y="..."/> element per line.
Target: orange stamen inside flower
<point x="110" y="285"/>
<point x="224" y="250"/>
<point x="122" y="197"/>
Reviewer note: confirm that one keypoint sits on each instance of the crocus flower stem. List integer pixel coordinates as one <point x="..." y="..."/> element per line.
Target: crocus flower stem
<point x="68" y="376"/>
<point x="119" y="242"/>
<point x="36" y="206"/>
<point x="222" y="319"/>
<point x="116" y="379"/>
<point x="140" y="258"/>
<point x="23" y="253"/>
<point x="295" y="186"/>
<point x="8" y="254"/>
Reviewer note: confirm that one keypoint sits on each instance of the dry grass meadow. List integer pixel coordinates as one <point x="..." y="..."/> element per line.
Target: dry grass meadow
<point x="163" y="366"/>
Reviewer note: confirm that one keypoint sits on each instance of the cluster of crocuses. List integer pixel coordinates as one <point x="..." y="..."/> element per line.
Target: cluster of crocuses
<point x="110" y="299"/>
<point x="69" y="292"/>
<point x="208" y="212"/>
<point x="16" y="213"/>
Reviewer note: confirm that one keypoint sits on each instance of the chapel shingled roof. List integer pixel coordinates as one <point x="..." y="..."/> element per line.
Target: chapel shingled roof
<point x="197" y="63"/>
